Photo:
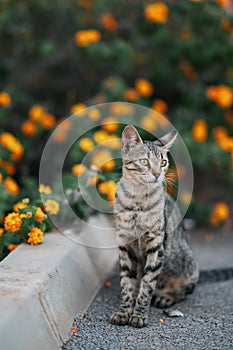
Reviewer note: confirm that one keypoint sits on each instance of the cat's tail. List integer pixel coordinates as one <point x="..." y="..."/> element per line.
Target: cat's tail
<point x="215" y="275"/>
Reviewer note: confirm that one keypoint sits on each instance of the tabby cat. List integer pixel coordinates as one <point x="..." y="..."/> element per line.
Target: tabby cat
<point x="152" y="248"/>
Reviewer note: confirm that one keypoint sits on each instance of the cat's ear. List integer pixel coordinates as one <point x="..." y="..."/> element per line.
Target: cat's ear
<point x="167" y="140"/>
<point x="130" y="137"/>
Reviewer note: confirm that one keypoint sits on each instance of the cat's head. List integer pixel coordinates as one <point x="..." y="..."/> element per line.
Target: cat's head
<point x="145" y="162"/>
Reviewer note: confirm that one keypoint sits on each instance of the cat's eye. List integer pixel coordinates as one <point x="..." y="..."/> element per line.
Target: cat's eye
<point x="163" y="162"/>
<point x="144" y="161"/>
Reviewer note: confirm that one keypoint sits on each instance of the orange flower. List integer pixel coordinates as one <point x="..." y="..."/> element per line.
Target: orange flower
<point x="229" y="116"/>
<point x="159" y="106"/>
<point x="220" y="213"/>
<point x="29" y="128"/>
<point x="35" y="236"/>
<point x="188" y="70"/>
<point x="86" y="144"/>
<point x="79" y="169"/>
<point x="36" y="113"/>
<point x="103" y="160"/>
<point x="113" y="142"/>
<point x="11" y="186"/>
<point x="85" y="37"/>
<point x="78" y="108"/>
<point x="5" y="99"/>
<point x="101" y="136"/>
<point x="199" y="130"/>
<point x="157" y="12"/>
<point x="144" y="87"/>
<point x="12" y="247"/>
<point x="131" y="94"/>
<point x="108" y="188"/>
<point x="59" y="135"/>
<point x="109" y="22"/>
<point x="148" y="123"/>
<point x="40" y="215"/>
<point x="110" y="124"/>
<point x="221" y="94"/>
<point x="86" y="3"/>
<point x="12" y="144"/>
<point x="225" y="3"/>
<point x="48" y="121"/>
<point x="13" y="222"/>
<point x="94" y="114"/>
<point x="45" y="189"/>
<point x="92" y="180"/>
<point x="10" y="169"/>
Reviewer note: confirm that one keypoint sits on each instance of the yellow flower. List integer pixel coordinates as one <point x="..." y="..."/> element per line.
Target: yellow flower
<point x="35" y="236"/>
<point x="199" y="130"/>
<point x="11" y="186"/>
<point x="45" y="189"/>
<point x="12" y="247"/>
<point x="109" y="22"/>
<point x="108" y="188"/>
<point x="40" y="215"/>
<point x="12" y="222"/>
<point x="113" y="142"/>
<point x="19" y="205"/>
<point x="144" y="87"/>
<point x="78" y="108"/>
<point x="86" y="144"/>
<point x="100" y="136"/>
<point x="1" y="231"/>
<point x="79" y="169"/>
<point x="29" y="128"/>
<point x="110" y="124"/>
<point x="5" y="99"/>
<point x="157" y="12"/>
<point x="85" y="37"/>
<point x="52" y="207"/>
<point x="103" y="160"/>
<point x="94" y="114"/>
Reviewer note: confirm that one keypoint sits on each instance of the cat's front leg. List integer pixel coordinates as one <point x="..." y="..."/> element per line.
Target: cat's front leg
<point x="153" y="266"/>
<point x="128" y="275"/>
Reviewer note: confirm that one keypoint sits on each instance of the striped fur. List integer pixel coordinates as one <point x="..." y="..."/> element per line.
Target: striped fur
<point x="153" y="255"/>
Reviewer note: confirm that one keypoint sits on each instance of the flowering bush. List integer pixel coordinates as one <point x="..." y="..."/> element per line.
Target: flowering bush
<point x="172" y="56"/>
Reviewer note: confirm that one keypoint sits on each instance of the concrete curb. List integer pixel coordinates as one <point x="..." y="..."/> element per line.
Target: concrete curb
<point x="43" y="288"/>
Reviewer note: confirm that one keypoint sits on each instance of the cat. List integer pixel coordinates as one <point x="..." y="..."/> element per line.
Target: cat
<point x="153" y="250"/>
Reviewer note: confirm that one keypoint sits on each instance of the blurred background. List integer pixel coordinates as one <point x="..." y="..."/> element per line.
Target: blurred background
<point x="58" y="57"/>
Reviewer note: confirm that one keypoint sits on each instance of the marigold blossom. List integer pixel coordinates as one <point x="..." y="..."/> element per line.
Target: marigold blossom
<point x="144" y="87"/>
<point x="159" y="106"/>
<point x="13" y="222"/>
<point x="86" y="144"/>
<point x="79" y="169"/>
<point x="131" y="94"/>
<point x="12" y="247"/>
<point x="108" y="188"/>
<point x="109" y="22"/>
<point x="35" y="236"/>
<point x="19" y="205"/>
<point x="79" y="109"/>
<point x="29" y="128"/>
<point x="86" y="37"/>
<point x="5" y="99"/>
<point x="221" y="94"/>
<point x="11" y="186"/>
<point x="199" y="130"/>
<point x="110" y="124"/>
<point x="157" y="12"/>
<point x="103" y="160"/>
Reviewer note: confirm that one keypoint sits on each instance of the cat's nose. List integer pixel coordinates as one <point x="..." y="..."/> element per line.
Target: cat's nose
<point x="156" y="174"/>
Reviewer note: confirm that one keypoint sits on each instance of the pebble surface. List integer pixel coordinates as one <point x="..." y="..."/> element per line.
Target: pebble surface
<point x="207" y="323"/>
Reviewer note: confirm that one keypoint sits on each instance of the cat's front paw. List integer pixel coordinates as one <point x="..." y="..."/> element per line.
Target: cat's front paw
<point x="120" y="318"/>
<point x="139" y="321"/>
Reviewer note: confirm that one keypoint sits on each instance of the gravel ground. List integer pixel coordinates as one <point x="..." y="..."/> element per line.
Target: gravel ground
<point x="207" y="323"/>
